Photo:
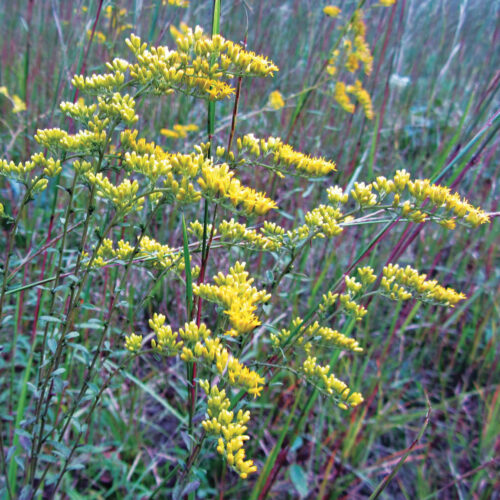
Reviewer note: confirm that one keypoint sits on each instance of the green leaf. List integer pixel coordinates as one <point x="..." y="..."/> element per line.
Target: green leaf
<point x="299" y="480"/>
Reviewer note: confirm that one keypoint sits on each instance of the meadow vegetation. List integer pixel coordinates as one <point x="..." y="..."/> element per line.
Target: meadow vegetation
<point x="248" y="249"/>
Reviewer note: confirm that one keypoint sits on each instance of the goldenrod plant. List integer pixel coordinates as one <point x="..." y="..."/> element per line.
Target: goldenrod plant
<point x="226" y="329"/>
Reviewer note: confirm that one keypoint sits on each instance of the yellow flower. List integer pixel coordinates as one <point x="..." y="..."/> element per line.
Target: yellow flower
<point x="99" y="36"/>
<point x="342" y="98"/>
<point x="332" y="10"/>
<point x="276" y="100"/>
<point x="179" y="131"/>
<point x="19" y="104"/>
<point x="133" y="342"/>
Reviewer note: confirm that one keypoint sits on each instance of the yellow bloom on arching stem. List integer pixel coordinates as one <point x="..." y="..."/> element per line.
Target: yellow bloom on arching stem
<point x="19" y="104"/>
<point x="176" y="3"/>
<point x="342" y="98"/>
<point x="276" y="100"/>
<point x="133" y="342"/>
<point x="179" y="131"/>
<point x="387" y="3"/>
<point x="332" y="10"/>
<point x="99" y="36"/>
<point x="176" y="33"/>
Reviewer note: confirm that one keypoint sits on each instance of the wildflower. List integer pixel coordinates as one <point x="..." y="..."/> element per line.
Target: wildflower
<point x="276" y="100"/>
<point x="331" y="383"/>
<point x="331" y="10"/>
<point x="166" y="341"/>
<point x="239" y="234"/>
<point x="366" y="275"/>
<point x="363" y="98"/>
<point x="362" y="193"/>
<point x="342" y="98"/>
<point x="176" y="3"/>
<point x="404" y="283"/>
<point x="179" y="131"/>
<point x="235" y="293"/>
<point x="133" y="342"/>
<point x="99" y="36"/>
<point x="229" y="428"/>
<point x="19" y="104"/>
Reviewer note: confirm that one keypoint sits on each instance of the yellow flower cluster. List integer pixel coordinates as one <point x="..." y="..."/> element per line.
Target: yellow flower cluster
<point x="361" y="49"/>
<point x="303" y="164"/>
<point x="148" y="165"/>
<point x="355" y="51"/>
<point x="100" y="37"/>
<point x="236" y="294"/>
<point x="276" y="100"/>
<point x="196" y="343"/>
<point x="273" y="229"/>
<point x="351" y="307"/>
<point x="331" y="10"/>
<point x="197" y="66"/>
<point x="162" y="256"/>
<point x="218" y="180"/>
<point x="347" y="302"/>
<point x="327" y="302"/>
<point x="85" y="141"/>
<point x="229" y="428"/>
<point x="128" y="139"/>
<point x="2" y="210"/>
<point x="362" y="194"/>
<point x="366" y="275"/>
<point x="336" y="195"/>
<point x="404" y="283"/>
<point x="99" y="84"/>
<point x="387" y="3"/>
<point x="166" y="341"/>
<point x="78" y="110"/>
<point x="322" y="221"/>
<point x="176" y="3"/>
<point x="177" y="169"/>
<point x="331" y="383"/>
<point x="149" y="251"/>
<point x="196" y="228"/>
<point x="340" y="95"/>
<point x="363" y="98"/>
<point x="192" y="335"/>
<point x="119" y="107"/>
<point x="18" y="171"/>
<point x="133" y="342"/>
<point x="179" y="131"/>
<point x="18" y="104"/>
<point x="328" y="337"/>
<point x="237" y="233"/>
<point x="21" y="171"/>
<point x="237" y="374"/>
<point x="124" y="196"/>
<point x="285" y="159"/>
<point x="450" y="205"/>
